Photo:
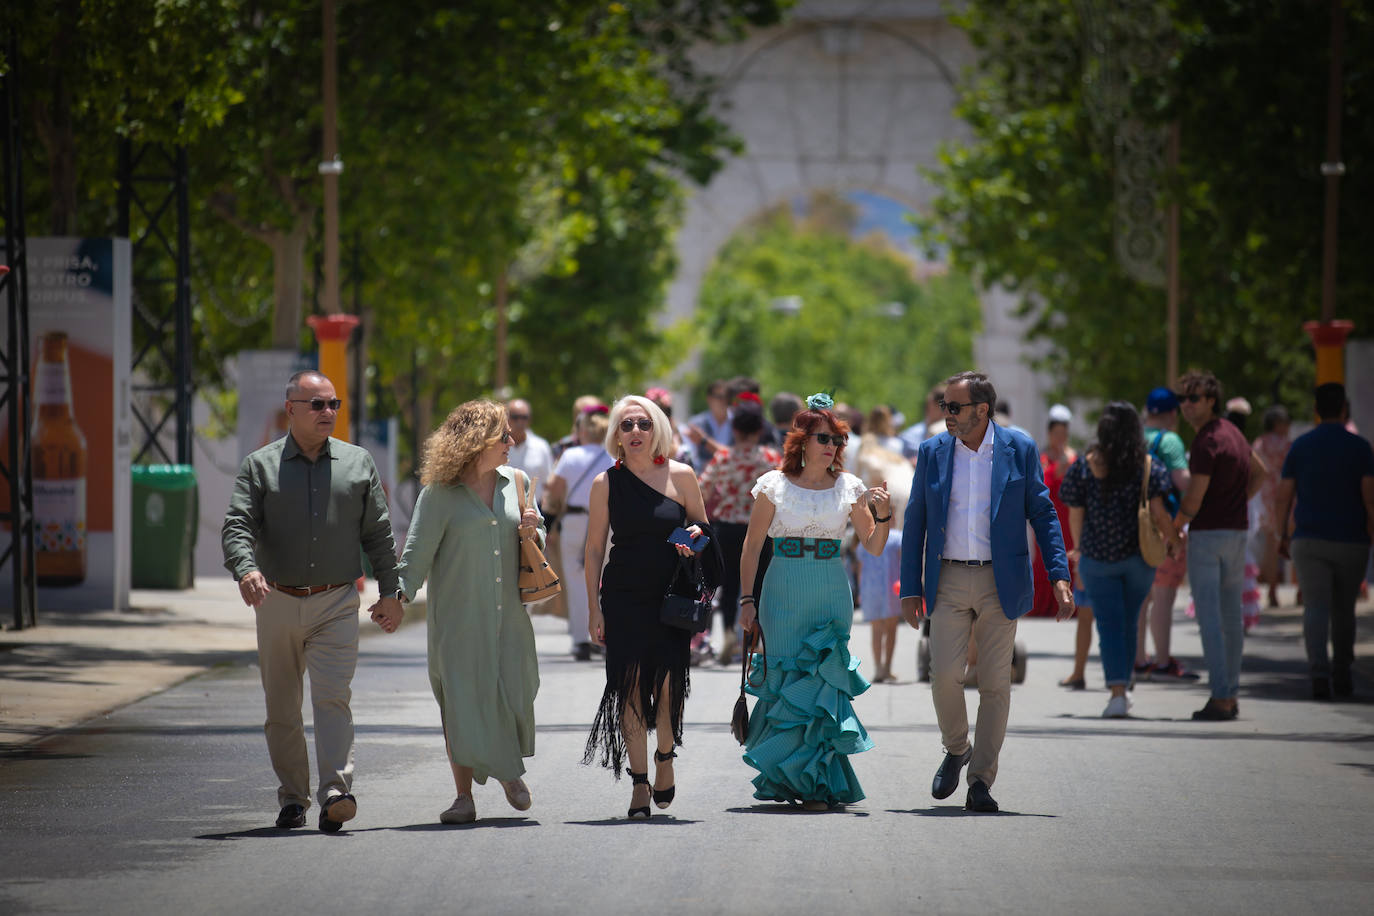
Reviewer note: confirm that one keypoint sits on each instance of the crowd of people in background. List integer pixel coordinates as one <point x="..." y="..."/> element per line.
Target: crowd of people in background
<point x="1228" y="532"/>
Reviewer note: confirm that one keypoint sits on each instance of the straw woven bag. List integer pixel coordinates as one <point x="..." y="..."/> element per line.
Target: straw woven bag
<point x="538" y="581"/>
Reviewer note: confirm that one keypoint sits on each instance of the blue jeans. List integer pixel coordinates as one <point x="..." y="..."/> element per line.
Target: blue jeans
<point x="1216" y="574"/>
<point x="1116" y="592"/>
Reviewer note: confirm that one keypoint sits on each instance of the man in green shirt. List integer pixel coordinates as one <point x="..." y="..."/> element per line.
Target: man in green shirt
<point x="1157" y="614"/>
<point x="302" y="511"/>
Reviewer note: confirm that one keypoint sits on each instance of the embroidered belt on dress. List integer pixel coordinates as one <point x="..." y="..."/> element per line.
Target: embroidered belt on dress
<point x="798" y="548"/>
<point x="304" y="591"/>
<point x="966" y="562"/>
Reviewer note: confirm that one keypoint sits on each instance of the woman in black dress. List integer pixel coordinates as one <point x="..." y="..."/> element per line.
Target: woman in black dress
<point x="642" y="499"/>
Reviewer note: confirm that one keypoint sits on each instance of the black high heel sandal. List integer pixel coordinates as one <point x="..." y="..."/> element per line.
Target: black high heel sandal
<point x="664" y="797"/>
<point x="639" y="779"/>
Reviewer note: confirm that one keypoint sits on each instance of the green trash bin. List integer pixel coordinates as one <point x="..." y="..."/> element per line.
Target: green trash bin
<point x="166" y="513"/>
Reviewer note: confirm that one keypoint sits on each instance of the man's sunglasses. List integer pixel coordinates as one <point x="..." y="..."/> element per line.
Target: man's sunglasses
<point x="839" y="439"/>
<point x="645" y="424"/>
<point x="318" y="404"/>
<point x="953" y="407"/>
<point x="1190" y="398"/>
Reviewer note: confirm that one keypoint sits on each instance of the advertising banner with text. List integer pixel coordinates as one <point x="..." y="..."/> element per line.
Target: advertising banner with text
<point x="80" y="329"/>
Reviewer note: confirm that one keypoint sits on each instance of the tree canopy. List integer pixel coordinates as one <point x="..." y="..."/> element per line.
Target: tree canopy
<point x="529" y="150"/>
<point x="1028" y="200"/>
<point x="868" y="325"/>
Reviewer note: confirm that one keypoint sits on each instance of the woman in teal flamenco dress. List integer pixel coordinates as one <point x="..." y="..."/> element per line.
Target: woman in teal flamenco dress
<point x="803" y="727"/>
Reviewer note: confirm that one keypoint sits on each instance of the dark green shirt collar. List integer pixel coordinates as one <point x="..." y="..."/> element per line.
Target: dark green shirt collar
<point x="292" y="450"/>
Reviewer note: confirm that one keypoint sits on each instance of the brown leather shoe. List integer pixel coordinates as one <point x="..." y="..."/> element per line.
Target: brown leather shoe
<point x="1214" y="711"/>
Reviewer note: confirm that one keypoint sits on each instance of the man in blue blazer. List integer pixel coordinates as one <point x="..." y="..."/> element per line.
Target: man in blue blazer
<point x="964" y="547"/>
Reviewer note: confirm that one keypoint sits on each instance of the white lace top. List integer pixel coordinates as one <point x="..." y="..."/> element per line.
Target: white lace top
<point x="799" y="512"/>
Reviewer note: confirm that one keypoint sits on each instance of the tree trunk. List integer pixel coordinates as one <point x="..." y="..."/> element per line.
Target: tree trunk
<point x="288" y="283"/>
<point x="503" y="391"/>
<point x="57" y="131"/>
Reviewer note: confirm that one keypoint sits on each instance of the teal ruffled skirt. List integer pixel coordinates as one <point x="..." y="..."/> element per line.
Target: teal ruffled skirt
<point x="802" y="728"/>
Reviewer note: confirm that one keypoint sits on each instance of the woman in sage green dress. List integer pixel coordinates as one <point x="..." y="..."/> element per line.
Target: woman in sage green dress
<point x="482" y="664"/>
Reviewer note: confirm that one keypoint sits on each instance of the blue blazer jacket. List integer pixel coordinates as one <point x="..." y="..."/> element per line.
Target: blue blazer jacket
<point x="1019" y="495"/>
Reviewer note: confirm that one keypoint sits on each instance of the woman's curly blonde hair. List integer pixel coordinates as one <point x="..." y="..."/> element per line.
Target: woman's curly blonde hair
<point x="470" y="429"/>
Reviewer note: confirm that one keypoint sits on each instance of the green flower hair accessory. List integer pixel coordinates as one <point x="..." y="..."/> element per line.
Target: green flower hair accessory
<point x="821" y="400"/>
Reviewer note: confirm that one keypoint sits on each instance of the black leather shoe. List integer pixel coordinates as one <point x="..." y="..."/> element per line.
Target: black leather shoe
<point x="291" y="816"/>
<point x="1212" y="711"/>
<point x="1342" y="684"/>
<point x="338" y="809"/>
<point x="980" y="799"/>
<point x="1321" y="688"/>
<point x="947" y="777"/>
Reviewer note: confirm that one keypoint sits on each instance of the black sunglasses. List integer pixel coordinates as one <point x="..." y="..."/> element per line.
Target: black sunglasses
<point x="1190" y="398"/>
<point x="826" y="438"/>
<point x="318" y="404"/>
<point x="644" y="423"/>
<point x="953" y="407"/>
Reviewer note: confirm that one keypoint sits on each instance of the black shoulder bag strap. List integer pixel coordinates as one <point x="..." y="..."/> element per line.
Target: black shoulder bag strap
<point x="591" y="467"/>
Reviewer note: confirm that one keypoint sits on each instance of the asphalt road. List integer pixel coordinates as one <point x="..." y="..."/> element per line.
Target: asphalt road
<point x="166" y="806"/>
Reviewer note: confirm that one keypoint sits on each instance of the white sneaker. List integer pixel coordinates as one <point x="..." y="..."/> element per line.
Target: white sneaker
<point x="1117" y="708"/>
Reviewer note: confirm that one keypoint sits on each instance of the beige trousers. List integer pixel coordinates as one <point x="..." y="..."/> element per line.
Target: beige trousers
<point x="318" y="634"/>
<point x="966" y="602"/>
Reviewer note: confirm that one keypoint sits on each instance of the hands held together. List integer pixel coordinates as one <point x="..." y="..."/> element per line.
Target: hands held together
<point x="387" y="613"/>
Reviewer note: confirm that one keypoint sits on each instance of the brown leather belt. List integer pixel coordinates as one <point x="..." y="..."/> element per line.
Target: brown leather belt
<point x="304" y="591"/>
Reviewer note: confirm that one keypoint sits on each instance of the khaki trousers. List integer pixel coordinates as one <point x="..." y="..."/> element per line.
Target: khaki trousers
<point x="318" y="634"/>
<point x="966" y="602"/>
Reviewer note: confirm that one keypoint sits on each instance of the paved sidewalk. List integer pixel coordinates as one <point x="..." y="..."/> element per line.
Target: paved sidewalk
<point x="77" y="665"/>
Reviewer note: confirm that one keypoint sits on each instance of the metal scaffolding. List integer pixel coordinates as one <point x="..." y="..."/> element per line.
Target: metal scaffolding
<point x="154" y="214"/>
<point x="15" y="465"/>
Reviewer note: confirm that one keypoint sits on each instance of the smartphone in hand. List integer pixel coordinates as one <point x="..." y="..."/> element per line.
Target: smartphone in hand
<point x="680" y="537"/>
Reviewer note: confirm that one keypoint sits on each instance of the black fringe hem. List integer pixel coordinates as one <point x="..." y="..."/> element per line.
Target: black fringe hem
<point x="607" y="738"/>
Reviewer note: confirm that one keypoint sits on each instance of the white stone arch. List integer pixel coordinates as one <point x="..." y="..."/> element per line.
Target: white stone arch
<point x="847" y="95"/>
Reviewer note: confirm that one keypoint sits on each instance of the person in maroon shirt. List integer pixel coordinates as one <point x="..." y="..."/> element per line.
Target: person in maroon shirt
<point x="1225" y="473"/>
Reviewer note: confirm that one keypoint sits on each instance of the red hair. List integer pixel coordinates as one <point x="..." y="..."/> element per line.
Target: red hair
<point x="804" y="425"/>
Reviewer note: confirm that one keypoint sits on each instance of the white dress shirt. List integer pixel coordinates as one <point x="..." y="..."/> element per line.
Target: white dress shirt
<point x="578" y="466"/>
<point x="535" y="458"/>
<point x="968" y="527"/>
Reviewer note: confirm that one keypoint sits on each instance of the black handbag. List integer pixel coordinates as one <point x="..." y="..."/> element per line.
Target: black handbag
<point x="687" y="602"/>
<point x="739" y="721"/>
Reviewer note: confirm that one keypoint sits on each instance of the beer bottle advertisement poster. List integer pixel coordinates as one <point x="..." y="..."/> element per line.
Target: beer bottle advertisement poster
<point x="80" y="350"/>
